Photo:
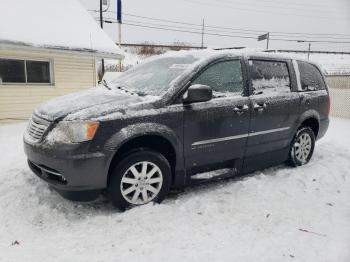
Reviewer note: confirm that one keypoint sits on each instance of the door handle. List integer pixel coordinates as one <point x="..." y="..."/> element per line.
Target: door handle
<point x="259" y="106"/>
<point x="241" y="109"/>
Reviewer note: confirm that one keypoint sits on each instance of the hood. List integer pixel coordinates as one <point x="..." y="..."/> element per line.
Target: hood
<point x="83" y="105"/>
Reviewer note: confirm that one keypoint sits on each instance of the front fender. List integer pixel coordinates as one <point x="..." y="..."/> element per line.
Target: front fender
<point x="133" y="131"/>
<point x="141" y="129"/>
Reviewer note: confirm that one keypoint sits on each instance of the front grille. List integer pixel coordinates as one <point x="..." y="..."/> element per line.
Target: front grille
<point x="36" y="129"/>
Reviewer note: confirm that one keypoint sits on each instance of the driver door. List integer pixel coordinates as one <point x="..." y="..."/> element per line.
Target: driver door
<point x="216" y="131"/>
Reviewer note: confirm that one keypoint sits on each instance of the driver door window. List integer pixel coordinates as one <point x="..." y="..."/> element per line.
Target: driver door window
<point x="225" y="78"/>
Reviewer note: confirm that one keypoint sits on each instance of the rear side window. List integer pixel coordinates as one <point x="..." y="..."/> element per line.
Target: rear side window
<point x="224" y="78"/>
<point x="310" y="77"/>
<point x="269" y="76"/>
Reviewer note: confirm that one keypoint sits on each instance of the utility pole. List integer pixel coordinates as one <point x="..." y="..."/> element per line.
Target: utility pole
<point x="101" y="24"/>
<point x="119" y="19"/>
<point x="120" y="35"/>
<point x="309" y="49"/>
<point x="202" y="44"/>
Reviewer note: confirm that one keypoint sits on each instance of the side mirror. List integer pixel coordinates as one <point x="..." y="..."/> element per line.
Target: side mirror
<point x="197" y="93"/>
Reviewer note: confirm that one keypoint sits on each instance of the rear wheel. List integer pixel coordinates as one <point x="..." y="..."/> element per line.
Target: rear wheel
<point x="302" y="147"/>
<point x="139" y="178"/>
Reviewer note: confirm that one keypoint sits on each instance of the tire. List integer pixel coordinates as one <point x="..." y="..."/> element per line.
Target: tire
<point x="145" y="173"/>
<point x="302" y="147"/>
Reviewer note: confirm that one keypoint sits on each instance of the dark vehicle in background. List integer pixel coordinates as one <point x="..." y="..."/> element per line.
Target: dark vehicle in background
<point x="169" y="121"/>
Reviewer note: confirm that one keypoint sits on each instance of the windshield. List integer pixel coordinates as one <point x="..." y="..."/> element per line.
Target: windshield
<point x="153" y="77"/>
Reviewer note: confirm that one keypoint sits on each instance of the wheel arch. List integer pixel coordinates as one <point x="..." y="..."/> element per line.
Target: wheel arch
<point x="312" y="120"/>
<point x="140" y="137"/>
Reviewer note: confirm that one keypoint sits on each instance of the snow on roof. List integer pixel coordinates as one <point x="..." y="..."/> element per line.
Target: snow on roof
<point x="53" y="24"/>
<point x="329" y="63"/>
<point x="204" y="54"/>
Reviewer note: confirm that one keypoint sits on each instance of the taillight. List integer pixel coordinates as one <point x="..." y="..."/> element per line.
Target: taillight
<point x="329" y="104"/>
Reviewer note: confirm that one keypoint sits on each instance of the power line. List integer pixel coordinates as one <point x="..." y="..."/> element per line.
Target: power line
<point x="185" y="27"/>
<point x="286" y="5"/>
<point x="157" y="19"/>
<point x="287" y="2"/>
<point x="184" y="31"/>
<point x="230" y="35"/>
<point x="242" y="33"/>
<point x="307" y="16"/>
<point x="276" y="33"/>
<point x="326" y="39"/>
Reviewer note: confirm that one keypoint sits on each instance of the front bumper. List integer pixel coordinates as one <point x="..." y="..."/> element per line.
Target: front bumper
<point x="67" y="168"/>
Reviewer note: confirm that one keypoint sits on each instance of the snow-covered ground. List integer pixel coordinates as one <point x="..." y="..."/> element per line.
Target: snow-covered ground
<point x="278" y="214"/>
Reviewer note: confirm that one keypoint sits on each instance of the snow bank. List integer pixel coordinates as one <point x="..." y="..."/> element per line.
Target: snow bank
<point x="277" y="214"/>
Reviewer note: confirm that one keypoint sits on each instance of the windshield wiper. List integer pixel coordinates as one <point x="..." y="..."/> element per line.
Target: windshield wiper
<point x="140" y="93"/>
<point x="104" y="83"/>
<point x="124" y="89"/>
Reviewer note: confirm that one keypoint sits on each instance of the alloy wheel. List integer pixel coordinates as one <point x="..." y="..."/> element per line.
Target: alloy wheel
<point x="141" y="183"/>
<point x="302" y="147"/>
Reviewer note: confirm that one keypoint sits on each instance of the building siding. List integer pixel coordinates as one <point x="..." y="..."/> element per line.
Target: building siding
<point x="71" y="73"/>
<point x="339" y="90"/>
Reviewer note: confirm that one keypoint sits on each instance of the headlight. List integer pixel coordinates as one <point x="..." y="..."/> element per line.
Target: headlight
<point x="73" y="132"/>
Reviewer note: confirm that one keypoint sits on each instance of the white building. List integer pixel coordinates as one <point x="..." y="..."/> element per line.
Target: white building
<point x="47" y="48"/>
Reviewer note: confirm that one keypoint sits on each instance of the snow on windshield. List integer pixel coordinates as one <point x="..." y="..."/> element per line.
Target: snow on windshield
<point x="155" y="76"/>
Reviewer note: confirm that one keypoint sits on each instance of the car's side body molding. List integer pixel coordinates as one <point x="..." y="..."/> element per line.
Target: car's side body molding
<point x="222" y="139"/>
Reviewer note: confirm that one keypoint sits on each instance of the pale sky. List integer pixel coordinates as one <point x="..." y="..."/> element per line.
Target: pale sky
<point x="318" y="17"/>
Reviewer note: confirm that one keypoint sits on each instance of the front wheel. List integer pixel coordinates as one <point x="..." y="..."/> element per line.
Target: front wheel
<point x="139" y="178"/>
<point x="302" y="147"/>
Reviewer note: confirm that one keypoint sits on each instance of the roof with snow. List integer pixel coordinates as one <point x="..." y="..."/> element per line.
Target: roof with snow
<point x="53" y="24"/>
<point x="330" y="64"/>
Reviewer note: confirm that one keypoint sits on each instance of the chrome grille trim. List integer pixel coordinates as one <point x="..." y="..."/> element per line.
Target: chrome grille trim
<point x="36" y="129"/>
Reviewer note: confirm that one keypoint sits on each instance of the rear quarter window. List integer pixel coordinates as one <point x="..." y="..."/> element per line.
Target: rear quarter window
<point x="310" y="77"/>
<point x="269" y="76"/>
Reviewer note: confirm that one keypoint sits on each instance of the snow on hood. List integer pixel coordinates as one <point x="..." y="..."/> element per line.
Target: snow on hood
<point x="88" y="104"/>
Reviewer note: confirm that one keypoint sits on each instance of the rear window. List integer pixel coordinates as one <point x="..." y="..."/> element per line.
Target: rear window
<point x="269" y="76"/>
<point x="310" y="77"/>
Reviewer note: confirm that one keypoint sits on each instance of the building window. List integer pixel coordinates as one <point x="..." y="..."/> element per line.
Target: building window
<point x="12" y="71"/>
<point x="15" y="71"/>
<point x="38" y="71"/>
